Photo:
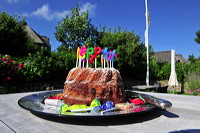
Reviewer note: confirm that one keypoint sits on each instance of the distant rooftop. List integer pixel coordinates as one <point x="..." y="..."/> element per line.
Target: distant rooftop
<point x="39" y="40"/>
<point x="165" y="56"/>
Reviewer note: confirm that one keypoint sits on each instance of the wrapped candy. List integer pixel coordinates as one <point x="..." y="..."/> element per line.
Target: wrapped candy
<point x="136" y="101"/>
<point x="57" y="96"/>
<point x="79" y="108"/>
<point x="125" y="106"/>
<point x="52" y="102"/>
<point x="107" y="105"/>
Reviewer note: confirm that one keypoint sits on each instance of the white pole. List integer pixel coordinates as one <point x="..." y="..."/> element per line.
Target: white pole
<point x="173" y="77"/>
<point x="146" y="43"/>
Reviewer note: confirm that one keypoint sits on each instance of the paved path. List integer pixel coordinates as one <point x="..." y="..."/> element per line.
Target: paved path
<point x="184" y="116"/>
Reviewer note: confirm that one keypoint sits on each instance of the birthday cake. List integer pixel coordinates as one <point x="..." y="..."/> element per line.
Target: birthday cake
<point x="91" y="90"/>
<point x="83" y="85"/>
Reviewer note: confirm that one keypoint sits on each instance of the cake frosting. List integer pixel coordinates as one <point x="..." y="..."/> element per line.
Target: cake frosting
<point x="83" y="85"/>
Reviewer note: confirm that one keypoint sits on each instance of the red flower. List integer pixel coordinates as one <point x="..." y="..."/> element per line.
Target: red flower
<point x="21" y="64"/>
<point x="8" y="78"/>
<point x="197" y="89"/>
<point x="4" y="58"/>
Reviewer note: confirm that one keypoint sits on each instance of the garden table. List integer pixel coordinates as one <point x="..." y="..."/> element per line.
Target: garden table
<point x="183" y="116"/>
<point x="144" y="87"/>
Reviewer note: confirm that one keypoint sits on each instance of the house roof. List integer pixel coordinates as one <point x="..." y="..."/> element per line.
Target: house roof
<point x="179" y="58"/>
<point x="165" y="56"/>
<point x="41" y="40"/>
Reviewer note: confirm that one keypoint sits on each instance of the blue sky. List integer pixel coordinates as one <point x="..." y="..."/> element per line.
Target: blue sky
<point x="173" y="22"/>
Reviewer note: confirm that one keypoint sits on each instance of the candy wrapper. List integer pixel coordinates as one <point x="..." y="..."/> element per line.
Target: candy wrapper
<point x="58" y="96"/>
<point x="125" y="106"/>
<point x="79" y="108"/>
<point x="53" y="102"/>
<point x="107" y="105"/>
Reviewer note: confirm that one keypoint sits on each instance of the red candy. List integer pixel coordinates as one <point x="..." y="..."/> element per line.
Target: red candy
<point x="137" y="101"/>
<point x="58" y="96"/>
<point x="139" y="108"/>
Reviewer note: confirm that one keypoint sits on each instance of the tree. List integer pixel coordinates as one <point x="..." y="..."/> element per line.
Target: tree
<point x="131" y="61"/>
<point x="13" y="38"/>
<point x="198" y="37"/>
<point x="76" y="30"/>
<point x="193" y="59"/>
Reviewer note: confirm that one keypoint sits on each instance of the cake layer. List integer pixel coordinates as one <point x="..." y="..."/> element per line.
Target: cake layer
<point x="85" y="84"/>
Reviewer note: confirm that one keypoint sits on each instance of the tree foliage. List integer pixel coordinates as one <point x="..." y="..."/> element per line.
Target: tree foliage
<point x="76" y="30"/>
<point x="197" y="39"/>
<point x="13" y="37"/>
<point x="131" y="51"/>
<point x="193" y="59"/>
<point x="47" y="65"/>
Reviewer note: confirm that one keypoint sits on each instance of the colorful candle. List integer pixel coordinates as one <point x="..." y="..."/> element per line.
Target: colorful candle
<point x="102" y="60"/>
<point x="77" y="56"/>
<point x="97" y="52"/>
<point x="83" y="51"/>
<point x="90" y="55"/>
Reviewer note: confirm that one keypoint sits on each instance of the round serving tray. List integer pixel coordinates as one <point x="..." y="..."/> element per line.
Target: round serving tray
<point x="35" y="104"/>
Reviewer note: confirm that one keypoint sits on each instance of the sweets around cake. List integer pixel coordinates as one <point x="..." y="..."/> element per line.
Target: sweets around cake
<point x="53" y="104"/>
<point x="57" y="96"/>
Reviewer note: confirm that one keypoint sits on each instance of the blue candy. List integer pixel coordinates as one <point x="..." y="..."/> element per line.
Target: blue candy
<point x="107" y="105"/>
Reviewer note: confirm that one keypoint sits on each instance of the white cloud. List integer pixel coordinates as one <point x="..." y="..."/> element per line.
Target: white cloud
<point x="12" y="1"/>
<point x="16" y="1"/>
<point x="61" y="15"/>
<point x="46" y="13"/>
<point x="88" y="7"/>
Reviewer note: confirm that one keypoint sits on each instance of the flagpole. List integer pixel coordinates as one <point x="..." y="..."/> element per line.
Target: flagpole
<point x="147" y="43"/>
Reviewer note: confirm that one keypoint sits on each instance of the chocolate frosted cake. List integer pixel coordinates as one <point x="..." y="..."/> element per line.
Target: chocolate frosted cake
<point x="85" y="84"/>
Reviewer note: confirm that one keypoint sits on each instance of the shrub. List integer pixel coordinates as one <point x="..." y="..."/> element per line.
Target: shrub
<point x="47" y="66"/>
<point x="39" y="69"/>
<point x="10" y="68"/>
<point x="193" y="84"/>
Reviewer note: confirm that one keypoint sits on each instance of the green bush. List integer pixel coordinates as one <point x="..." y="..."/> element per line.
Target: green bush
<point x="48" y="66"/>
<point x="34" y="70"/>
<point x="186" y="73"/>
<point x="10" y="67"/>
<point x="193" y="81"/>
<point x="193" y="77"/>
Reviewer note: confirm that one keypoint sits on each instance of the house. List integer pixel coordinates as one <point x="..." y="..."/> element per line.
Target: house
<point x="38" y="39"/>
<point x="165" y="56"/>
